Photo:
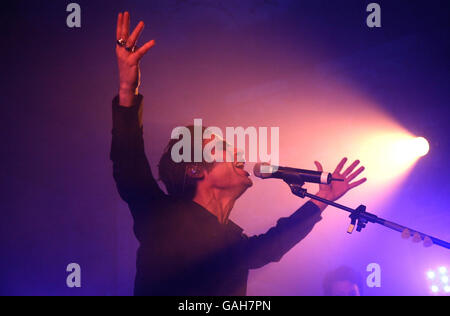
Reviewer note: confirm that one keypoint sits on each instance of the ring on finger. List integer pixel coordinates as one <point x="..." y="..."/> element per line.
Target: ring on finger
<point x="121" y="42"/>
<point x="131" y="49"/>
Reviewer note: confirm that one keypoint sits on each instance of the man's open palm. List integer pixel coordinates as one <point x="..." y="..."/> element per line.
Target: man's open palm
<point x="128" y="55"/>
<point x="337" y="189"/>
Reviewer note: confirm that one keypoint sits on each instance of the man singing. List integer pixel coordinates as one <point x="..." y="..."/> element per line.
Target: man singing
<point x="188" y="245"/>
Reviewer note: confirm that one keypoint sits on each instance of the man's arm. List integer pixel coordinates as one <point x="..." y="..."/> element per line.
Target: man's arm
<point x="131" y="169"/>
<point x="273" y="245"/>
<point x="132" y="172"/>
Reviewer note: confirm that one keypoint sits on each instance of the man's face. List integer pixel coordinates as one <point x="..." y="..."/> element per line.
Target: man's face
<point x="344" y="288"/>
<point x="229" y="175"/>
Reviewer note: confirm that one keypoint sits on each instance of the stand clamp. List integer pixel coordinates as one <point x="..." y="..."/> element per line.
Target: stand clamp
<point x="297" y="189"/>
<point x="358" y="220"/>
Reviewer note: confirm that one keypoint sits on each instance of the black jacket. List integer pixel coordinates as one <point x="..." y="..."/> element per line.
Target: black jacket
<point x="184" y="250"/>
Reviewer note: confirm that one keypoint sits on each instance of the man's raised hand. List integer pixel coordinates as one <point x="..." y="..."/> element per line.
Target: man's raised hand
<point x="337" y="189"/>
<point x="128" y="58"/>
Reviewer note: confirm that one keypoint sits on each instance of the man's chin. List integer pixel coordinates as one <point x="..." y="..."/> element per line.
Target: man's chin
<point x="248" y="183"/>
<point x="244" y="187"/>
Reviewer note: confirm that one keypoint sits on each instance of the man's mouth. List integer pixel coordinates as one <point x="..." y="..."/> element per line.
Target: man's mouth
<point x="241" y="165"/>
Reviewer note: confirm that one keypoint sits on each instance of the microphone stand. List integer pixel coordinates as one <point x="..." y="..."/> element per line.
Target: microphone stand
<point x="360" y="218"/>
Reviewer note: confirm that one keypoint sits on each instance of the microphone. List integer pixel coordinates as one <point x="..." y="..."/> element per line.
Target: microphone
<point x="292" y="175"/>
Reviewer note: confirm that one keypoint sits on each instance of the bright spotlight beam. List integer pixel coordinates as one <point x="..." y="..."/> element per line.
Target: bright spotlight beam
<point x="406" y="151"/>
<point x="421" y="147"/>
<point x="392" y="154"/>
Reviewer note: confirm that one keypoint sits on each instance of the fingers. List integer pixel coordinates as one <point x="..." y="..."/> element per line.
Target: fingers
<point x="357" y="183"/>
<point x="355" y="174"/>
<point x="351" y="168"/>
<point x="131" y="42"/>
<point x="125" y="32"/>
<point x="340" y="166"/>
<point x="143" y="50"/>
<point x="119" y="26"/>
<point x="318" y="166"/>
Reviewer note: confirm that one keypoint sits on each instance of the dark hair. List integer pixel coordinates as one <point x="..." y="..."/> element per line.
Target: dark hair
<point x="341" y="274"/>
<point x="173" y="174"/>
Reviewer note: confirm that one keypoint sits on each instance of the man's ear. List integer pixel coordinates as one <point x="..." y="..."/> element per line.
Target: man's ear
<point x="195" y="171"/>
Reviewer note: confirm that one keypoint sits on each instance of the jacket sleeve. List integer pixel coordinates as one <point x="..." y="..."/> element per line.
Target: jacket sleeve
<point x="273" y="245"/>
<point x="131" y="169"/>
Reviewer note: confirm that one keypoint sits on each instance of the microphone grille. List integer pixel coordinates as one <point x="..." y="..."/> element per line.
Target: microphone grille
<point x="260" y="174"/>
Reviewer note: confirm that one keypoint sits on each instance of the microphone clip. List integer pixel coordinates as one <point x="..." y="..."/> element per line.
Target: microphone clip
<point x="359" y="217"/>
<point x="297" y="189"/>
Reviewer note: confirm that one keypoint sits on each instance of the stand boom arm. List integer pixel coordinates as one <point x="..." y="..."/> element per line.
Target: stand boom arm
<point x="360" y="217"/>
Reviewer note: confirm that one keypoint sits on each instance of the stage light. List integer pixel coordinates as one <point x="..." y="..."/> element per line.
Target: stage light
<point x="438" y="281"/>
<point x="431" y="275"/>
<point x="388" y="156"/>
<point x="408" y="149"/>
<point x="434" y="289"/>
<point x="421" y="146"/>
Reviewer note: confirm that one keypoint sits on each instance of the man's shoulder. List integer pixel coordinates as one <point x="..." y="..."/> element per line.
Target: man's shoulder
<point x="236" y="229"/>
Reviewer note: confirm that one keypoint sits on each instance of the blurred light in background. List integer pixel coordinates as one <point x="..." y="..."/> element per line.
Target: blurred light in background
<point x="421" y="146"/>
<point x="438" y="281"/>
<point x="407" y="150"/>
<point x="392" y="154"/>
<point x="431" y="275"/>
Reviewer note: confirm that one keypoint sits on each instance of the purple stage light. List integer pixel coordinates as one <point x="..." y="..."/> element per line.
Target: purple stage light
<point x="431" y="275"/>
<point x="438" y="281"/>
